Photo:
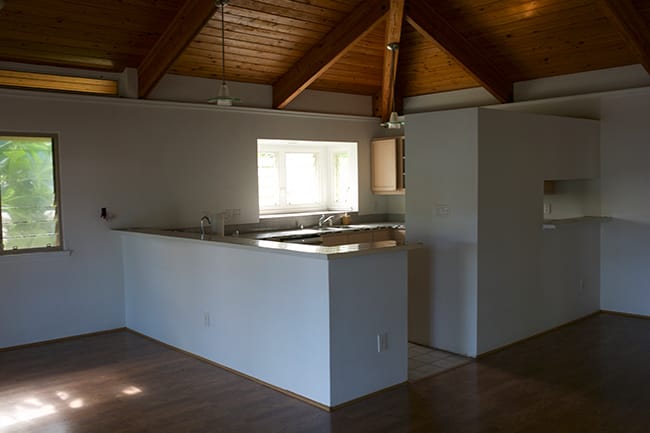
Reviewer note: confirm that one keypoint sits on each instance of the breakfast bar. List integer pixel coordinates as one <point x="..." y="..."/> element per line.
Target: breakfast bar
<point x="324" y="323"/>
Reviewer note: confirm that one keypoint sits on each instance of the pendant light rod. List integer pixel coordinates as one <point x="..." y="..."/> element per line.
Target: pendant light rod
<point x="223" y="98"/>
<point x="222" y="3"/>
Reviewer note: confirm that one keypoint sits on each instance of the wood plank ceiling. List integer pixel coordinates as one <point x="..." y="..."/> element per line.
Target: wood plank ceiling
<point x="333" y="45"/>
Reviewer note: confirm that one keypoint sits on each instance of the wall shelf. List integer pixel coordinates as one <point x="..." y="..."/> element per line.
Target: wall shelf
<point x="551" y="224"/>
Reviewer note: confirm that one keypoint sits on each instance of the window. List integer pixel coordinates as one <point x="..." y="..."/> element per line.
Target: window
<point x="306" y="176"/>
<point x="29" y="216"/>
<point x="62" y="83"/>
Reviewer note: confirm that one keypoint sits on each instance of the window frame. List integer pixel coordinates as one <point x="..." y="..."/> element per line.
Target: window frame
<point x="57" y="194"/>
<point x="326" y="151"/>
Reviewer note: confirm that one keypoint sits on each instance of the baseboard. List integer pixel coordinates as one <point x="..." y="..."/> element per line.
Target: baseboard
<point x="555" y="328"/>
<point x="58" y="340"/>
<point x="632" y="315"/>
<point x="238" y="373"/>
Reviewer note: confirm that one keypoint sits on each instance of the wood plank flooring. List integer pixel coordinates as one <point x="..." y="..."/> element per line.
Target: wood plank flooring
<point x="592" y="376"/>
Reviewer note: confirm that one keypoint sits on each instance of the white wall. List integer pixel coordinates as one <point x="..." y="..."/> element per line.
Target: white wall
<point x="368" y="296"/>
<point x="442" y="170"/>
<point x="300" y="322"/>
<point x="194" y="89"/>
<point x="489" y="275"/>
<point x="529" y="279"/>
<point x="625" y="254"/>
<point x="271" y="324"/>
<point x="150" y="164"/>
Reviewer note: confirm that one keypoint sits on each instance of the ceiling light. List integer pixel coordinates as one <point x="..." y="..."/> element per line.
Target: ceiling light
<point x="223" y="98"/>
<point x="393" y="121"/>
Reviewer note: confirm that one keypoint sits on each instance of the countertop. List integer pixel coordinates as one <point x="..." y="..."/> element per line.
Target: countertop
<point x="244" y="241"/>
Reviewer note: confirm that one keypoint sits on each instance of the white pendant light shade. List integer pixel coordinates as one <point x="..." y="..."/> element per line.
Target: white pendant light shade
<point x="223" y="98"/>
<point x="394" y="121"/>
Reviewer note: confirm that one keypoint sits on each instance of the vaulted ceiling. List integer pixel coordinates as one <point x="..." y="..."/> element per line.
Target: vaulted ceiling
<point x="333" y="45"/>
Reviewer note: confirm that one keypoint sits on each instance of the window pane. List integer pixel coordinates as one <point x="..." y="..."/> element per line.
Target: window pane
<point x="27" y="193"/>
<point x="302" y="178"/>
<point x="342" y="179"/>
<point x="268" y="179"/>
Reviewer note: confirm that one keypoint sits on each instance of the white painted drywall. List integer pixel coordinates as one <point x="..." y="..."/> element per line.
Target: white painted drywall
<point x="151" y="164"/>
<point x="195" y="89"/>
<point x="529" y="279"/>
<point x="625" y="151"/>
<point x="367" y="297"/>
<point x="601" y="80"/>
<point x="473" y="97"/>
<point x="269" y="313"/>
<point x="442" y="169"/>
<point x="299" y="322"/>
<point x="488" y="274"/>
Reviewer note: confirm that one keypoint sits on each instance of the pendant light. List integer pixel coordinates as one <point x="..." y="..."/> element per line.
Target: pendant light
<point x="223" y="98"/>
<point x="393" y="121"/>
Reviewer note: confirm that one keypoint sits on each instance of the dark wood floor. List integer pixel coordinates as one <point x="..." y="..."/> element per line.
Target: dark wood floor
<point x="593" y="376"/>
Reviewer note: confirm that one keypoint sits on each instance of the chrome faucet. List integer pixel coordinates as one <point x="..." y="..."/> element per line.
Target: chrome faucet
<point x="322" y="220"/>
<point x="203" y="220"/>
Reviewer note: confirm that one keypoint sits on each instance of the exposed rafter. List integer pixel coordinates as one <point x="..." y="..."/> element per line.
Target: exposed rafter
<point x="331" y="48"/>
<point x="631" y="24"/>
<point x="187" y="23"/>
<point x="422" y="15"/>
<point x="394" y="19"/>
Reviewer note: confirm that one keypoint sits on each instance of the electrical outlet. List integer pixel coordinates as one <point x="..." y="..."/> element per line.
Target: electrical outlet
<point x="382" y="342"/>
<point x="581" y="286"/>
<point x="206" y="320"/>
<point x="547" y="208"/>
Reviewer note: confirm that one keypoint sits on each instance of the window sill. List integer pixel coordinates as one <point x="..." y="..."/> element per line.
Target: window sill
<point x="35" y="255"/>
<point x="301" y="214"/>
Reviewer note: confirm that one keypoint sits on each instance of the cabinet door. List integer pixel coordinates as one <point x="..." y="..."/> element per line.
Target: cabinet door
<point x="381" y="235"/>
<point x="360" y="237"/>
<point x="334" y="239"/>
<point x="387" y="165"/>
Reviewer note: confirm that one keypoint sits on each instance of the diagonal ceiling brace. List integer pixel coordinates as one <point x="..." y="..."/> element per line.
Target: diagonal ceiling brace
<point x="394" y="21"/>
<point x="423" y="16"/>
<point x="630" y="23"/>
<point x="328" y="51"/>
<point x="187" y="23"/>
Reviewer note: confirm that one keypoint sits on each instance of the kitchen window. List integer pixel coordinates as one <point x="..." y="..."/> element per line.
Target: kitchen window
<point x="306" y="176"/>
<point x="29" y="200"/>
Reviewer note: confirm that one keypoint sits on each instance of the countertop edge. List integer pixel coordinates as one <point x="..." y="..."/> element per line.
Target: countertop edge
<point x="313" y="251"/>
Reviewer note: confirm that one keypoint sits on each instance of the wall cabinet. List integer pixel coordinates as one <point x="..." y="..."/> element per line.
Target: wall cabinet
<point x="387" y="165"/>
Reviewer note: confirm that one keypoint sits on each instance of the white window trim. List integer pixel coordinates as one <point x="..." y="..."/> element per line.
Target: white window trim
<point x="326" y="151"/>
<point x="60" y="248"/>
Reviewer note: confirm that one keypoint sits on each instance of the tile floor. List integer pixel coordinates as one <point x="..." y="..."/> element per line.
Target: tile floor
<point x="424" y="361"/>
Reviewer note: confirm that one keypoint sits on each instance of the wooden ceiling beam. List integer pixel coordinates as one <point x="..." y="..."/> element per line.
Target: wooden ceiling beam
<point x="185" y="25"/>
<point x="394" y="20"/>
<point x="624" y="15"/>
<point x="423" y="16"/>
<point x="326" y="52"/>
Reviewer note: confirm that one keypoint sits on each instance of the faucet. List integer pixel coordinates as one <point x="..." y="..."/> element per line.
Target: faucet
<point x="322" y="220"/>
<point x="203" y="220"/>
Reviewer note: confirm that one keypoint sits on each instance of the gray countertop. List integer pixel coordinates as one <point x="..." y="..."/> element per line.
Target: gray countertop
<point x="327" y="252"/>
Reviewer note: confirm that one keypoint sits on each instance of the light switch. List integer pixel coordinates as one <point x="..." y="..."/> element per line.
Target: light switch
<point x="442" y="209"/>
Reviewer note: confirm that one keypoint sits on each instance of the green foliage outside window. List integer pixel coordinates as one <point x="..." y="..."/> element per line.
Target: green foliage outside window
<point x="29" y="215"/>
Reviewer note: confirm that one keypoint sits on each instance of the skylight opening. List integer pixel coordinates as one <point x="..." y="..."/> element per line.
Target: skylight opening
<point x="61" y="83"/>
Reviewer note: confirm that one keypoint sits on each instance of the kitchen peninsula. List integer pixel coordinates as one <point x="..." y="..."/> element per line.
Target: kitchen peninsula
<point x="326" y="323"/>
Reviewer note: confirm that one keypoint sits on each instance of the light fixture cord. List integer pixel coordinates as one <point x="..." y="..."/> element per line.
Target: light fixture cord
<point x="223" y="45"/>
